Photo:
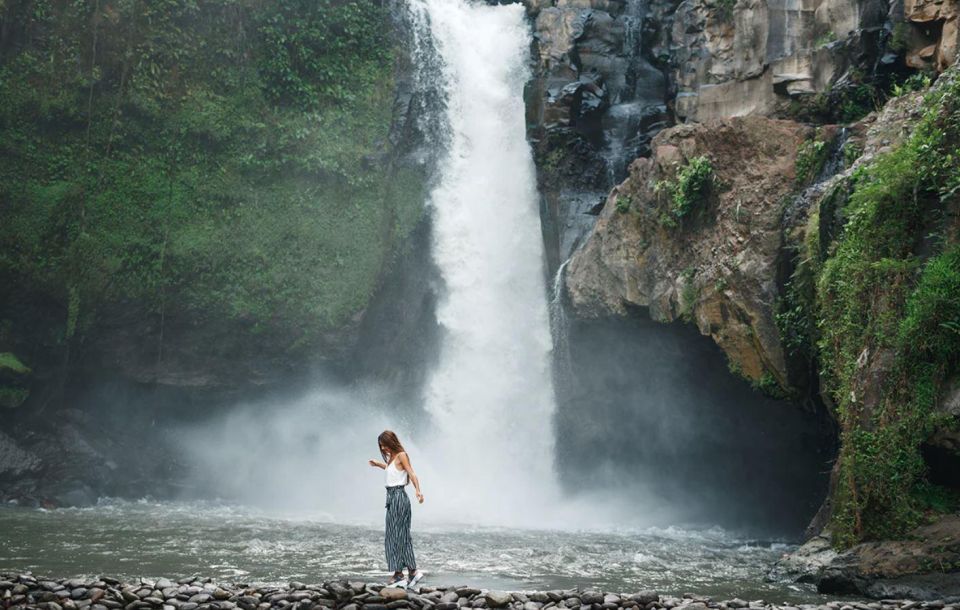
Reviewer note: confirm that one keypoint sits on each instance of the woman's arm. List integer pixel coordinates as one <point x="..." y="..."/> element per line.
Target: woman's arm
<point x="377" y="464"/>
<point x="405" y="463"/>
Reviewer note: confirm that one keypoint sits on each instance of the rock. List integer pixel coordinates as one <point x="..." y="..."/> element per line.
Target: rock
<point x="340" y="591"/>
<point x="806" y="564"/>
<point x="645" y="597"/>
<point x="449" y="597"/>
<point x="632" y="260"/>
<point x="467" y="591"/>
<point x="393" y="593"/>
<point x="498" y="599"/>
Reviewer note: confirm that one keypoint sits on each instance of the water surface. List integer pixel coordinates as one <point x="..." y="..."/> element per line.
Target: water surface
<point x="240" y="544"/>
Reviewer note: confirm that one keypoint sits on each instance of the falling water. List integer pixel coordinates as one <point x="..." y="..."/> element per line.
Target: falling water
<point x="490" y="396"/>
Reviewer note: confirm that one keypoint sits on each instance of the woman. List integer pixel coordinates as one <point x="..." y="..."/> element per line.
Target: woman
<point x="397" y="541"/>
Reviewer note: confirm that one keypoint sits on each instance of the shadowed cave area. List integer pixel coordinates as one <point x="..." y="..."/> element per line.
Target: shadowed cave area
<point x="652" y="410"/>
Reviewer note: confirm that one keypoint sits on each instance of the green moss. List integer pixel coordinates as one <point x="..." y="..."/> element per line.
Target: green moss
<point x="876" y="296"/>
<point x="220" y="159"/>
<point x="825" y="39"/>
<point x="623" y="204"/>
<point x="769" y="386"/>
<point x="12" y="397"/>
<point x="9" y="362"/>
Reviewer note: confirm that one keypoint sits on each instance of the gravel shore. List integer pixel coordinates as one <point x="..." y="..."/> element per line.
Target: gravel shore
<point x="26" y="591"/>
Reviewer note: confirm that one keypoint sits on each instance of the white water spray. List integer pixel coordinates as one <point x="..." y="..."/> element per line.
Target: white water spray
<point x="490" y="454"/>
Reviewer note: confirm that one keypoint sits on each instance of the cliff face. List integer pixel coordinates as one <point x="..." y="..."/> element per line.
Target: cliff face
<point x="609" y="74"/>
<point x="827" y="251"/>
<point x="199" y="205"/>
<point x="184" y="212"/>
<point x="733" y="58"/>
<point x="598" y="95"/>
<point x="717" y="266"/>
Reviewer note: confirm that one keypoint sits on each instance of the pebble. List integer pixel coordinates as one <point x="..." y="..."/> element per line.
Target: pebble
<point x="27" y="592"/>
<point x="498" y="599"/>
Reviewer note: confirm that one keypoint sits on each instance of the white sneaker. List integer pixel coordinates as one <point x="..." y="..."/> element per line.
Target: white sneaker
<point x="416" y="579"/>
<point x="399" y="584"/>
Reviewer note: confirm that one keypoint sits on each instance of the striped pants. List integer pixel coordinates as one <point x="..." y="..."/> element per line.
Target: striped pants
<point x="397" y="541"/>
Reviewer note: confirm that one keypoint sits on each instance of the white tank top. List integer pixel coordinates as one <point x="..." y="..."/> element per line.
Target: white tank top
<point x="395" y="476"/>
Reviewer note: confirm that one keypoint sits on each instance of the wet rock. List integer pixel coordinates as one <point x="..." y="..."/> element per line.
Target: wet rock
<point x="498" y="599"/>
<point x="467" y="591"/>
<point x="341" y="592"/>
<point x="393" y="593"/>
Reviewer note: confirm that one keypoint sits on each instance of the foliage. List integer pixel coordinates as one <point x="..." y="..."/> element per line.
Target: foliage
<point x="769" y="386"/>
<point x="690" y="187"/>
<point x="10" y="362"/>
<point x="878" y="301"/>
<point x="845" y="104"/>
<point x="851" y="152"/>
<point x="914" y="82"/>
<point x="825" y="39"/>
<point x="811" y="155"/>
<point x="623" y="204"/>
<point x="220" y="157"/>
<point x="899" y="37"/>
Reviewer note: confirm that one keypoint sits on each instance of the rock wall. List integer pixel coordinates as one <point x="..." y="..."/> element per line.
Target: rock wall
<point x="736" y="58"/>
<point x="719" y="269"/>
<point x="597" y="97"/>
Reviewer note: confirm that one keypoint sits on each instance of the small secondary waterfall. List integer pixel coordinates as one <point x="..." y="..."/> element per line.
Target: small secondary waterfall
<point x="490" y="396"/>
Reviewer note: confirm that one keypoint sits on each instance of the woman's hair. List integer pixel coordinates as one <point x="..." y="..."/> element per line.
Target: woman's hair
<point x="388" y="439"/>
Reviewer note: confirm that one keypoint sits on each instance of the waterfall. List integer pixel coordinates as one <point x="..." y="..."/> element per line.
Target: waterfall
<point x="490" y="395"/>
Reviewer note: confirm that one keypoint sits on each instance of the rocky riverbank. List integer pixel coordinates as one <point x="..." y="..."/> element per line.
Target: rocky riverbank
<point x="23" y="591"/>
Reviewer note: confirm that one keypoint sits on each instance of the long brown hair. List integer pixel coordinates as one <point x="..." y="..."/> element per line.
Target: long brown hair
<point x="388" y="439"/>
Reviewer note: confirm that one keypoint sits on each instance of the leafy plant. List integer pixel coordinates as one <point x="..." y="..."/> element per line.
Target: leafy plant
<point x="623" y="203"/>
<point x="690" y="187"/>
<point x="914" y="82"/>
<point x="877" y="298"/>
<point x="825" y="39"/>
<point x="811" y="156"/>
